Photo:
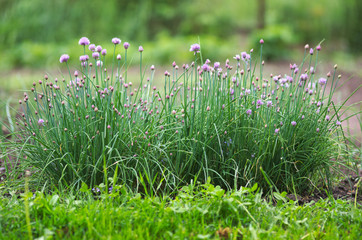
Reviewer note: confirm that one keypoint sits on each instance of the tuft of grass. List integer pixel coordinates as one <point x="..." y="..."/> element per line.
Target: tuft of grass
<point x="225" y="122"/>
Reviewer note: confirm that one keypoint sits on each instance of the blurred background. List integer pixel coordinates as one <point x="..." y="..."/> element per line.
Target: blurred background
<point x="34" y="33"/>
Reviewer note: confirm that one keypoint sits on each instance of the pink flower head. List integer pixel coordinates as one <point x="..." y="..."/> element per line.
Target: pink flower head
<point x="64" y="58"/>
<point x="318" y="48"/>
<point x="92" y="47"/>
<point x="294" y="123"/>
<point x="195" y="48"/>
<point x="116" y="41"/>
<point x="311" y="70"/>
<point x="311" y="51"/>
<point x="104" y="52"/>
<point x="322" y="81"/>
<point x="126" y="45"/>
<point x="140" y="49"/>
<point x="205" y="67"/>
<point x="83" y="58"/>
<point x="338" y="123"/>
<point x="152" y="68"/>
<point x="119" y="57"/>
<point x="303" y="77"/>
<point x="216" y="65"/>
<point x="261" y="41"/>
<point x="95" y="55"/>
<point x="248" y="112"/>
<point x="84" y="41"/>
<point x="277" y="130"/>
<point x="99" y="48"/>
<point x="41" y="121"/>
<point x="269" y="103"/>
<point x="245" y="57"/>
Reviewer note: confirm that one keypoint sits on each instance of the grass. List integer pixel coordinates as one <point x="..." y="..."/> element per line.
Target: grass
<point x="195" y="212"/>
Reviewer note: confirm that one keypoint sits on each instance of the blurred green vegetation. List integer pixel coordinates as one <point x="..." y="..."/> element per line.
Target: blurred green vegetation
<point x="33" y="32"/>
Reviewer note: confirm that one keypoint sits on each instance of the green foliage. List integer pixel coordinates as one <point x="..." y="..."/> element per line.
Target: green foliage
<point x="204" y="122"/>
<point x="57" y="21"/>
<point x="195" y="212"/>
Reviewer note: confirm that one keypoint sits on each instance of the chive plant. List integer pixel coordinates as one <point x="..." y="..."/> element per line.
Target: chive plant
<point x="223" y="122"/>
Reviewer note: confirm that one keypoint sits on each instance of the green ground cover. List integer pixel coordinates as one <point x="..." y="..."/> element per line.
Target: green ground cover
<point x="195" y="212"/>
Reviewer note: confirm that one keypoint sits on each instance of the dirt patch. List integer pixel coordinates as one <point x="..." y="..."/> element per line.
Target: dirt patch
<point x="347" y="189"/>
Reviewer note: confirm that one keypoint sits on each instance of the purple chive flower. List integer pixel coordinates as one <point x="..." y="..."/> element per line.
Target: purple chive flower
<point x="269" y="103"/>
<point x="311" y="51"/>
<point x="231" y="91"/>
<point x="140" y="49"/>
<point x="318" y="48"/>
<point x="116" y="41"/>
<point x="248" y="112"/>
<point x="317" y="129"/>
<point x="338" y="123"/>
<point x="83" y="58"/>
<point x="327" y="118"/>
<point x="216" y="65"/>
<point x="41" y="121"/>
<point x="195" y="48"/>
<point x="152" y="68"/>
<point x="322" y="81"/>
<point x="237" y="58"/>
<point x="99" y="48"/>
<point x="92" y="47"/>
<point x="104" y="52"/>
<point x="245" y="57"/>
<point x="311" y="70"/>
<point x="119" y="57"/>
<point x="303" y="77"/>
<point x="99" y="63"/>
<point x="294" y="123"/>
<point x="64" y="58"/>
<point x="277" y="130"/>
<point x="205" y="67"/>
<point x="126" y="45"/>
<point x="259" y="102"/>
<point x="261" y="41"/>
<point x="95" y="55"/>
<point x="84" y="41"/>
